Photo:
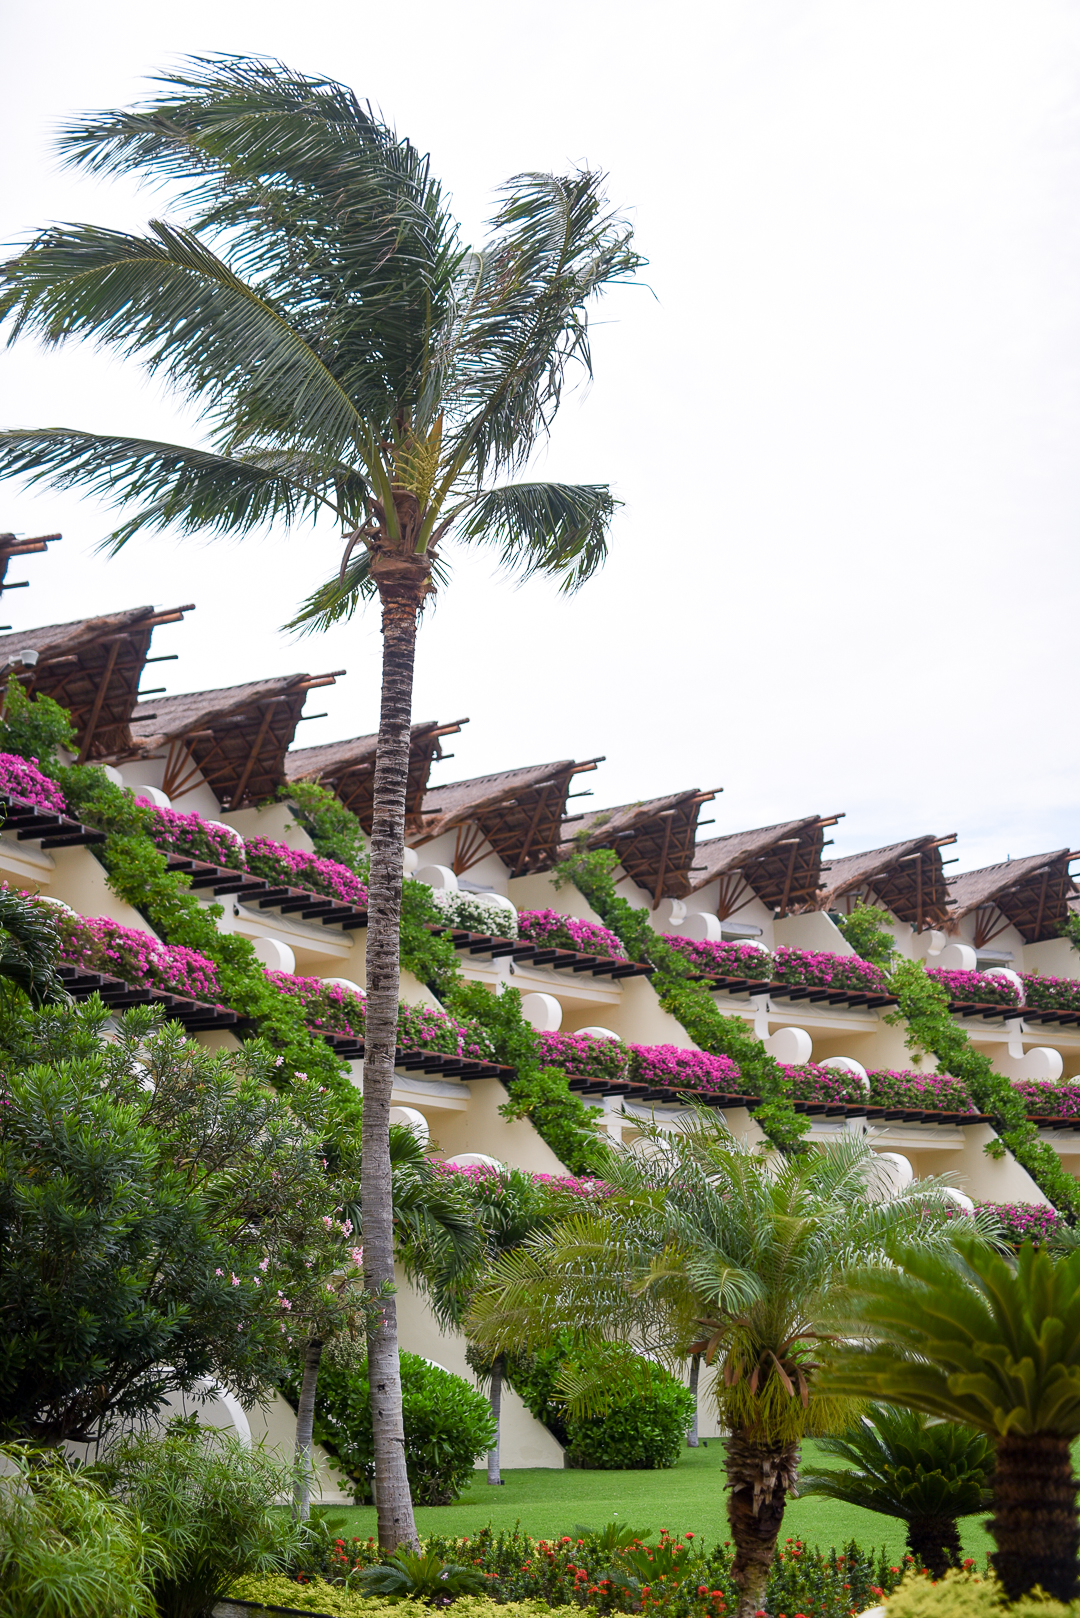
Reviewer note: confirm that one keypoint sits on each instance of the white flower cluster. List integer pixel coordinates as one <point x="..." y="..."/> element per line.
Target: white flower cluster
<point x="479" y="912"/>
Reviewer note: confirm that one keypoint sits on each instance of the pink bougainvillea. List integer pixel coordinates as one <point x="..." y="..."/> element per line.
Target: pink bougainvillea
<point x="491" y="1178"/>
<point x="330" y="1009"/>
<point x="682" y="1069"/>
<point x="1051" y="994"/>
<point x="820" y="970"/>
<point x="585" y="1056"/>
<point x="936" y="1092"/>
<point x="193" y="836"/>
<point x="806" y="1081"/>
<point x="20" y="778"/>
<point x="297" y="869"/>
<point x="1024" y="1221"/>
<point x="976" y="988"/>
<point x="568" y="932"/>
<point x="97" y="944"/>
<point x="725" y="960"/>
<point x="1045" y="1099"/>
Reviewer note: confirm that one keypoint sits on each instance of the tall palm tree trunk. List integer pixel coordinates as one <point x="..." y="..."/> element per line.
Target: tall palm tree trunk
<point x="695" y="1373"/>
<point x="400" y="604"/>
<point x="305" y="1423"/>
<point x="759" y="1477"/>
<point x="1034" y="1523"/>
<point x="495" y="1396"/>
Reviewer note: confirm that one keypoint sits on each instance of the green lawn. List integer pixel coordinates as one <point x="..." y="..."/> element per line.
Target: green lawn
<point x="690" y="1496"/>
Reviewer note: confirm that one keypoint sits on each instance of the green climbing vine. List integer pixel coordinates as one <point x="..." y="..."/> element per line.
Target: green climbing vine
<point x="690" y="1003"/>
<point x="923" y="1006"/>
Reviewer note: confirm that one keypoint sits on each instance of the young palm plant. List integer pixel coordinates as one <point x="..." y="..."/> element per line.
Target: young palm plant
<point x="706" y="1247"/>
<point x="970" y="1336"/>
<point x="903" y="1465"/>
<point x="352" y="358"/>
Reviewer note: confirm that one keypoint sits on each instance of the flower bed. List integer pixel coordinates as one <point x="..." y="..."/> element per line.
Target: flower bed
<point x="819" y="970"/>
<point x="937" y="1092"/>
<point x="1051" y="994"/>
<point x="1024" y="1221"/>
<point x="976" y="988"/>
<point x="548" y="927"/>
<point x="193" y="836"/>
<point x="277" y="862"/>
<point x="330" y="1009"/>
<point x="97" y="944"/>
<point x="20" y="778"/>
<point x="682" y="1069"/>
<point x="725" y="960"/>
<point x="585" y="1056"/>
<point x="476" y="911"/>
<point x="1044" y="1098"/>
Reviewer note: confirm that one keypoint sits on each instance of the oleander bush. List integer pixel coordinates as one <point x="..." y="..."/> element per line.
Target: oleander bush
<point x="475" y="911"/>
<point x="448" y="1426"/>
<point x="549" y="927"/>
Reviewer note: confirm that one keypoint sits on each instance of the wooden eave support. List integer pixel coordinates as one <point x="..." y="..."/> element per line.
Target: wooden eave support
<point x="245" y="775"/>
<point x="99" y="699"/>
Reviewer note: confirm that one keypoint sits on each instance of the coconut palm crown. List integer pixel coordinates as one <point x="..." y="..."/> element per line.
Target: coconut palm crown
<point x="706" y="1246"/>
<point x="352" y="358"/>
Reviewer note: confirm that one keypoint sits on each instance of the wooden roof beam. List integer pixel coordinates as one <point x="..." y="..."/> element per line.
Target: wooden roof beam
<point x="245" y="776"/>
<point x="99" y="699"/>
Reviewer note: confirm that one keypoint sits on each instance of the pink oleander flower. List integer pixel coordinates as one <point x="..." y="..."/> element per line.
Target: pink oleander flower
<point x="820" y="970"/>
<point x="549" y="927"/>
<point x="97" y="944"/>
<point x="975" y="988"/>
<point x="21" y="779"/>
<point x="297" y="869"/>
<point x="192" y="836"/>
<point x="725" y="960"/>
<point x="681" y="1069"/>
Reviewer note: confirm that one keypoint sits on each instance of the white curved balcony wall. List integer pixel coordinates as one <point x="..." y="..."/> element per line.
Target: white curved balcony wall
<point x="1040" y="1062"/>
<point x="703" y="928"/>
<point x="346" y="983"/>
<point x="596" y="1032"/>
<point x="895" y="1173"/>
<point x="542" y="1012"/>
<point x="197" y="797"/>
<point x="792" y="1046"/>
<point x="956" y="958"/>
<point x="475" y="1160"/>
<point x="412" y="1119"/>
<point x="437" y="876"/>
<point x="411" y="862"/>
<point x="274" y="953"/>
<point x="154" y="795"/>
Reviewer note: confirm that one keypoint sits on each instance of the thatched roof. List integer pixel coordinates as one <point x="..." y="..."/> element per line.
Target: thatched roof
<point x="234" y="737"/>
<point x="92" y="667"/>
<point x="518" y="814"/>
<point x="348" y="768"/>
<point x="908" y="878"/>
<point x="1032" y="894"/>
<point x="780" y="865"/>
<point x="654" y="839"/>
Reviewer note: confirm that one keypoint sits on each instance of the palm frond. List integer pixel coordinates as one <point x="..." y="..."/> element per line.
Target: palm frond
<point x="167" y="300"/>
<point x="29" y="949"/>
<point x="558" y="529"/>
<point x="192" y="490"/>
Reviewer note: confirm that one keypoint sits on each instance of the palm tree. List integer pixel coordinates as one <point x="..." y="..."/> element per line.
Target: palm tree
<point x="708" y="1248"/>
<point x="29" y="948"/>
<point x="903" y="1465"/>
<point x="353" y="359"/>
<point x="970" y="1336"/>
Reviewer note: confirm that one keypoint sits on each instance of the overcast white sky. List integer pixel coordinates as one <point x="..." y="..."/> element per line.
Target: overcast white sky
<point x="845" y="421"/>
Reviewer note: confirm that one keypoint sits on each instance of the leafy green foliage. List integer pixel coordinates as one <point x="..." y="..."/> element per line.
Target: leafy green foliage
<point x="411" y="1575"/>
<point x="35" y="727"/>
<point x="429" y="956"/>
<point x="334" y="830"/>
<point x="591" y="873"/>
<point x="68" y="1550"/>
<point x="923" y="1006"/>
<point x="447" y="1426"/>
<point x="863" y="930"/>
<point x="157" y="1200"/>
<point x="29" y="945"/>
<point x="209" y="1501"/>
<point x="903" y="1465"/>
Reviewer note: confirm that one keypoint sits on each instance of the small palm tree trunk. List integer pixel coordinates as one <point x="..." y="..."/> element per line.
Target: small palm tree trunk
<point x="936" y="1542"/>
<point x="493" y="1475"/>
<point x="759" y="1477"/>
<point x="1034" y="1522"/>
<point x="396" y="1524"/>
<point x="305" y="1423"/>
<point x="695" y="1371"/>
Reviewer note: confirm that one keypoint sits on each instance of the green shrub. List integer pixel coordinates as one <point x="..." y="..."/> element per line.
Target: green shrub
<point x="420" y="1576"/>
<point x="67" y="1550"/>
<point x="340" y="1603"/>
<point x="34" y="727"/>
<point x="447" y="1421"/>
<point x="208" y="1499"/>
<point x="643" y="1428"/>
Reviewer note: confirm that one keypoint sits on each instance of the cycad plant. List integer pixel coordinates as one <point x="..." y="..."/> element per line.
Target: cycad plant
<point x="706" y="1246"/>
<point x="351" y="358"/>
<point x="970" y="1336"/>
<point x="902" y="1464"/>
